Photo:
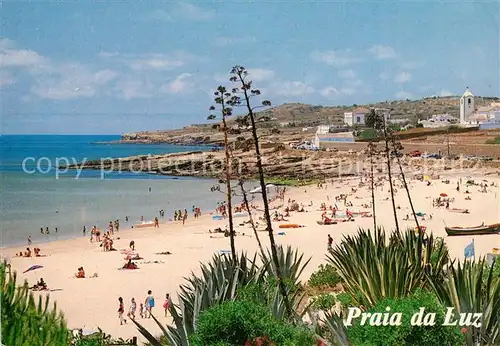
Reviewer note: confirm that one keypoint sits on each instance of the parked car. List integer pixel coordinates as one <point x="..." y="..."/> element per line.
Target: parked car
<point x="435" y="156"/>
<point x="396" y="153"/>
<point x="415" y="153"/>
<point x="425" y="156"/>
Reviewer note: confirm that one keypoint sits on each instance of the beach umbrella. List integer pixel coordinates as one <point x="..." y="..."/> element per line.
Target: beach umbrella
<point x="443" y="194"/>
<point x="33" y="267"/>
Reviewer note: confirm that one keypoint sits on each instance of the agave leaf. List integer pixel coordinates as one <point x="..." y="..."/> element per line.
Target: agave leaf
<point x="146" y="334"/>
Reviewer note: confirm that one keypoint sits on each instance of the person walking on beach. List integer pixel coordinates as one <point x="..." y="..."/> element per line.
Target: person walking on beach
<point x="29" y="240"/>
<point x="131" y="311"/>
<point x="330" y="243"/>
<point x="184" y="218"/>
<point x="141" y="310"/>
<point x="149" y="303"/>
<point x="84" y="231"/>
<point x="47" y="230"/>
<point x="166" y="304"/>
<point x="157" y="222"/>
<point x="121" y="309"/>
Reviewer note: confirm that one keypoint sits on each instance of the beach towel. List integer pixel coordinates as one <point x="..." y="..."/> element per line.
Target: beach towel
<point x="33" y="267"/>
<point x="290" y="225"/>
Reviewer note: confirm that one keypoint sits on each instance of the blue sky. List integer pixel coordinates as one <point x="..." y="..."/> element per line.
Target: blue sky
<point x="116" y="67"/>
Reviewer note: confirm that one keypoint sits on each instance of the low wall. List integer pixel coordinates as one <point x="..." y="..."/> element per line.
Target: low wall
<point x="477" y="149"/>
<point x="422" y="132"/>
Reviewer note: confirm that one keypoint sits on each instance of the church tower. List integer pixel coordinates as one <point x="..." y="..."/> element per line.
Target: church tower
<point x="467" y="106"/>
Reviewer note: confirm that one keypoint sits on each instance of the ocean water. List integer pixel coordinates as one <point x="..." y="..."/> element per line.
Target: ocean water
<point x="33" y="196"/>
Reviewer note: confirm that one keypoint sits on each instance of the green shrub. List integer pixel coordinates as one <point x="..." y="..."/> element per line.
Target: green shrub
<point x="325" y="276"/>
<point x="406" y="334"/>
<point x="368" y="134"/>
<point x="233" y="323"/>
<point x="346" y="300"/>
<point x="100" y="338"/>
<point x="324" y="301"/>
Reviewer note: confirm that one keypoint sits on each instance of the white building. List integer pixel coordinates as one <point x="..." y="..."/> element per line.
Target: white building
<point x="489" y="113"/>
<point x="356" y="117"/>
<point x="467" y="106"/>
<point x="439" y="120"/>
<point x="322" y="129"/>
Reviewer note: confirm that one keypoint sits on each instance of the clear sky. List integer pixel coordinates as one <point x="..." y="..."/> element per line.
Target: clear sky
<point x="113" y="67"/>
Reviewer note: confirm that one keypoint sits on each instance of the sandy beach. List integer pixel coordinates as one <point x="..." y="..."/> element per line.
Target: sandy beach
<point x="91" y="302"/>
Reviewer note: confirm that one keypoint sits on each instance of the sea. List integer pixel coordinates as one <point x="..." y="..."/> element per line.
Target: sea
<point x="34" y="194"/>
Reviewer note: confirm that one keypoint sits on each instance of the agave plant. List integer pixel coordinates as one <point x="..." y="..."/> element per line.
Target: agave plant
<point x="333" y="331"/>
<point x="465" y="290"/>
<point x="373" y="268"/>
<point x="219" y="282"/>
<point x="25" y="322"/>
<point x="292" y="266"/>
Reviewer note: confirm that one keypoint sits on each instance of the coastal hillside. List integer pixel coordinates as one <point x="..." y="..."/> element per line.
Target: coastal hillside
<point x="290" y="118"/>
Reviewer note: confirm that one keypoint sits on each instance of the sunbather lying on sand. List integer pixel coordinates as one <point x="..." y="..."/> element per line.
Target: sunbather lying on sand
<point x="134" y="257"/>
<point x="37" y="252"/>
<point x="216" y="230"/>
<point x="130" y="265"/>
<point x="39" y="286"/>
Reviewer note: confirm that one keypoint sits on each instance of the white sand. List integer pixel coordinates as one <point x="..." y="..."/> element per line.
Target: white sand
<point x="91" y="302"/>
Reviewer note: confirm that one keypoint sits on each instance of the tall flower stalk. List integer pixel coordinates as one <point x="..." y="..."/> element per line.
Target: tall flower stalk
<point x="398" y="147"/>
<point x="371" y="152"/>
<point x="222" y="97"/>
<point x="389" y="174"/>
<point x="239" y="76"/>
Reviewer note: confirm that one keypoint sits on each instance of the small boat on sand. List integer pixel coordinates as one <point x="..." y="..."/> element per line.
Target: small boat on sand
<point x="327" y="223"/>
<point x="145" y="224"/>
<point x="475" y="230"/>
<point x="457" y="210"/>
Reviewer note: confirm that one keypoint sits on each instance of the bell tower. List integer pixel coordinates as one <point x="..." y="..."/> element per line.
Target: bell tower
<point x="467" y="106"/>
